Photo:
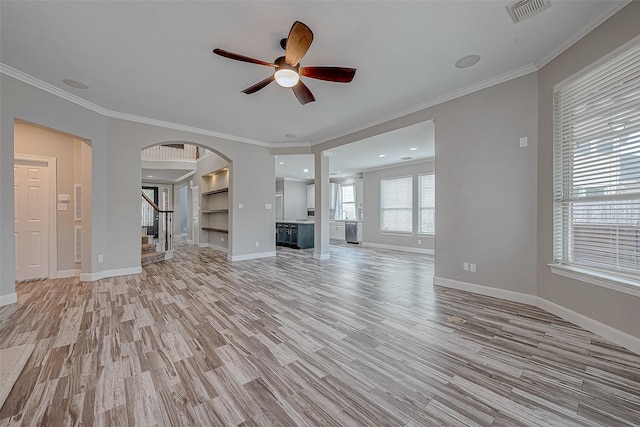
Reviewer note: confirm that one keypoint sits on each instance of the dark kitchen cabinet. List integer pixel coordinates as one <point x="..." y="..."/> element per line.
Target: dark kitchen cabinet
<point x="294" y="235"/>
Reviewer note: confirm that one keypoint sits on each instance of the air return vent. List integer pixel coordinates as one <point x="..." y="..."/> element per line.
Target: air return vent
<point x="523" y="9"/>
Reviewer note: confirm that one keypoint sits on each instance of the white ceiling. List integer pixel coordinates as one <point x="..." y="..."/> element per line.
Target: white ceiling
<point x="154" y="59"/>
<point x="416" y="141"/>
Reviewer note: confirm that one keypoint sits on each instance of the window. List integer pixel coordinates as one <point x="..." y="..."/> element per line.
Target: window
<point x="396" y="207"/>
<point x="597" y="169"/>
<point x="348" y="201"/>
<point x="426" y="203"/>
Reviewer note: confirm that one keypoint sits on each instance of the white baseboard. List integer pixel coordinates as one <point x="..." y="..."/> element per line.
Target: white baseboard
<point x="321" y="257"/>
<point x="399" y="248"/>
<point x="486" y="290"/>
<point x="233" y="258"/>
<point x="90" y="277"/>
<point x="614" y="335"/>
<point x="8" y="299"/>
<point x="168" y="255"/>
<point x="64" y="274"/>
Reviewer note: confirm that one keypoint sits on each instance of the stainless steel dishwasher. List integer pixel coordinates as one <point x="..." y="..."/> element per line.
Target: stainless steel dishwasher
<point x="351" y="231"/>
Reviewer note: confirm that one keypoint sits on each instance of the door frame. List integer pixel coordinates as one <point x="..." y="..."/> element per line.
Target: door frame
<point x="53" y="216"/>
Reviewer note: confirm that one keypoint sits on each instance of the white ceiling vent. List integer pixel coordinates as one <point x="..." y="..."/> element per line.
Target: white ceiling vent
<point x="523" y="9"/>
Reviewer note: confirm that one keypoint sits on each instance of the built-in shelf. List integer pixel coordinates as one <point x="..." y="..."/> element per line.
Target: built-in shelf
<point x="219" y="230"/>
<point x="207" y="211"/>
<point x="218" y="191"/>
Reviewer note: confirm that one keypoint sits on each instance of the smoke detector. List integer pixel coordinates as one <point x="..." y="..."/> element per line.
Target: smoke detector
<point x="522" y="9"/>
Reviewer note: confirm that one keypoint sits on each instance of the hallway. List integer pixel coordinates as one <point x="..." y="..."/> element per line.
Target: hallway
<point x="361" y="339"/>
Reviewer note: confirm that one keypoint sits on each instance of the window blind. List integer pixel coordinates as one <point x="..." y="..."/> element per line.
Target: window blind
<point x="597" y="168"/>
<point x="396" y="205"/>
<point x="426" y="201"/>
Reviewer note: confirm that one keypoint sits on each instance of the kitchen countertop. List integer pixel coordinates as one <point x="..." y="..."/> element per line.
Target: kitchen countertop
<point x="295" y="221"/>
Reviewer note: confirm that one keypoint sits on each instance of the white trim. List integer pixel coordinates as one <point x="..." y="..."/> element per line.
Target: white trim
<point x="399" y="248"/>
<point x="65" y="274"/>
<point x="616" y="283"/>
<point x="52" y="169"/>
<point x="606" y="14"/>
<point x="616" y="336"/>
<point x="90" y="277"/>
<point x="168" y="255"/>
<point x="30" y="80"/>
<point x="321" y="257"/>
<point x="486" y="290"/>
<point x="246" y="257"/>
<point x="8" y="299"/>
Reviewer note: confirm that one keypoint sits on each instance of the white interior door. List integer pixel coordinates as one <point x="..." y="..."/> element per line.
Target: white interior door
<point x="195" y="227"/>
<point x="31" y="189"/>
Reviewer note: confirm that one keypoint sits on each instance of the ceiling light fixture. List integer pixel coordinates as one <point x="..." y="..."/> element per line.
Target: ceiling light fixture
<point x="467" y="61"/>
<point x="381" y="155"/>
<point x="305" y="170"/>
<point x="413" y="148"/>
<point x="75" y="84"/>
<point x="281" y="163"/>
<point x="286" y="75"/>
<point x="291" y="135"/>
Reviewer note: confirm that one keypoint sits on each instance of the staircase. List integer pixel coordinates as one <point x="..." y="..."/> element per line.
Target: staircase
<point x="149" y="253"/>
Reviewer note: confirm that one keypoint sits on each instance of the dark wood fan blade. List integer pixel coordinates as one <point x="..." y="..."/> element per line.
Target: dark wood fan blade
<point x="303" y="93"/>
<point x="242" y="58"/>
<point x="332" y="74"/>
<point x="298" y="42"/>
<point x="256" y="87"/>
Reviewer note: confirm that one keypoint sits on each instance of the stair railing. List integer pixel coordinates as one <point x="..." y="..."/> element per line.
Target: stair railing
<point x="166" y="217"/>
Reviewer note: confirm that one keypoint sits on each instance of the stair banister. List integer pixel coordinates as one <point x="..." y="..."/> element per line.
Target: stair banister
<point x="168" y="219"/>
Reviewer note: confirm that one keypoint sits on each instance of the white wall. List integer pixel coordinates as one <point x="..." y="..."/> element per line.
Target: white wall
<point x="371" y="201"/>
<point x="295" y="199"/>
<point x="610" y="307"/>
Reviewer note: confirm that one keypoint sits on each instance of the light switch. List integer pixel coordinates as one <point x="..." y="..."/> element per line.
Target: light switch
<point x="267" y="206"/>
<point x="240" y="205"/>
<point x="524" y="141"/>
<point x="62" y="206"/>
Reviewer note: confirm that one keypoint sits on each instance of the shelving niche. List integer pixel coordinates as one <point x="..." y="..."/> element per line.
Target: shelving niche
<point x="214" y="208"/>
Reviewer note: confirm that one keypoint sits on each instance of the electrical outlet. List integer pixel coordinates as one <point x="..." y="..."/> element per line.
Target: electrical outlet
<point x="100" y="258"/>
<point x="222" y="239"/>
<point x="419" y="241"/>
<point x="257" y="244"/>
<point x="465" y="266"/>
<point x="472" y="267"/>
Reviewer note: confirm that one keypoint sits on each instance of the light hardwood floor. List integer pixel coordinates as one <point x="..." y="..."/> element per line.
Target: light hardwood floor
<point x="363" y="339"/>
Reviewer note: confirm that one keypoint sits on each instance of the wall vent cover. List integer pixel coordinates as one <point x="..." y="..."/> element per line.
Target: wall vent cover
<point x="523" y="9"/>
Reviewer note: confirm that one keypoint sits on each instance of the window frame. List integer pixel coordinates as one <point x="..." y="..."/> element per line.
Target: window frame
<point x="409" y="209"/>
<point x="421" y="207"/>
<point x="612" y="278"/>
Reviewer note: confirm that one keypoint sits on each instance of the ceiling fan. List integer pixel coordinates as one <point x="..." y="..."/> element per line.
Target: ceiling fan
<point x="287" y="68"/>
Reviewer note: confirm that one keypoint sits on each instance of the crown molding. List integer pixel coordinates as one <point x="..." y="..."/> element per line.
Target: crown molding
<point x="53" y="90"/>
<point x="500" y="78"/>
<point x="603" y="16"/>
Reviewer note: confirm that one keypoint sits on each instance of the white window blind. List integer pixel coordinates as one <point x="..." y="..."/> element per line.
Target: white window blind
<point x="396" y="205"/>
<point x="348" y="201"/>
<point x="597" y="168"/>
<point x="427" y="203"/>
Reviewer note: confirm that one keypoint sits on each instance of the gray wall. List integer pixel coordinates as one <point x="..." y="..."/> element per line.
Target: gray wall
<point x="616" y="309"/>
<point x="294" y="199"/>
<point x="371" y="202"/>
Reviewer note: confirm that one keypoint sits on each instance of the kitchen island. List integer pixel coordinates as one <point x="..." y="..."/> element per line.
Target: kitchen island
<point x="295" y="234"/>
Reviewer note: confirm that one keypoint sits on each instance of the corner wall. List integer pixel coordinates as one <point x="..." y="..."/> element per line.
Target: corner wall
<point x="609" y="307"/>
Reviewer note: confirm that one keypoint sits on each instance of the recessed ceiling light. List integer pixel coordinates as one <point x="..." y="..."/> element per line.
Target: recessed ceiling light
<point x="305" y="170"/>
<point x="381" y="155"/>
<point x="467" y="61"/>
<point x="74" y="83"/>
<point x="149" y="176"/>
<point x="413" y="148"/>
<point x="290" y="135"/>
<point x="281" y="163"/>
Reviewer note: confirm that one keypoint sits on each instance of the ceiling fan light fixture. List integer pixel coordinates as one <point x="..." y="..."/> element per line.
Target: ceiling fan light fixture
<point x="286" y="77"/>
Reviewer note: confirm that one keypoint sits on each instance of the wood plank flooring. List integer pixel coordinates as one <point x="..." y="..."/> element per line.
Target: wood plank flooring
<point x="361" y="340"/>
